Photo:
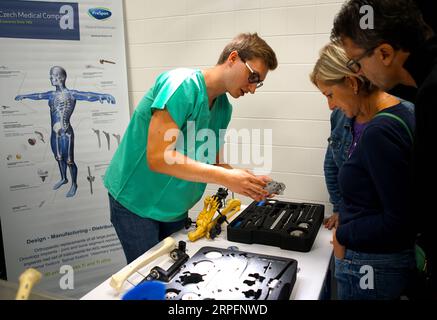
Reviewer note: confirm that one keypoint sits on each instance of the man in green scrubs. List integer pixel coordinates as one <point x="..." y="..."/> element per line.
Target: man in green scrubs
<point x="165" y="159"/>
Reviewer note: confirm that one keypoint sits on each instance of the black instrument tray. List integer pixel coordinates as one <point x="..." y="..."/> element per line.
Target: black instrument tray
<point x="288" y="225"/>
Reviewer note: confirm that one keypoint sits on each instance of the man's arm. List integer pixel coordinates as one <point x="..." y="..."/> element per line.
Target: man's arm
<point x="92" y="96"/>
<point x="35" y="96"/>
<point x="163" y="158"/>
<point x="218" y="160"/>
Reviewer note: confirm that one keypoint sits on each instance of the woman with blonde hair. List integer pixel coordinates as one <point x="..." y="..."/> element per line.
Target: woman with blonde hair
<point x="373" y="241"/>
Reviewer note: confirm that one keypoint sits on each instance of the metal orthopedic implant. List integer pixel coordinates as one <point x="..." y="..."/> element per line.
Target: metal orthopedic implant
<point x="117" y="137"/>
<point x="108" y="139"/>
<point x="97" y="132"/>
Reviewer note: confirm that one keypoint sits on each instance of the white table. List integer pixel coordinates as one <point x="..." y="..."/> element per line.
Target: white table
<point x="312" y="265"/>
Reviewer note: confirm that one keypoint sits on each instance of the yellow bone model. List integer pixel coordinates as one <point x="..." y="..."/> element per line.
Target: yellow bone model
<point x="205" y="222"/>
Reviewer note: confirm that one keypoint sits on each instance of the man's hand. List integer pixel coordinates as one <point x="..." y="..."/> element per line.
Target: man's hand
<point x="339" y="250"/>
<point x="331" y="222"/>
<point x="246" y="183"/>
<point x="107" y="97"/>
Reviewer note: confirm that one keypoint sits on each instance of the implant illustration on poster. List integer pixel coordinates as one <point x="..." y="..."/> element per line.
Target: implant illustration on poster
<point x="63" y="110"/>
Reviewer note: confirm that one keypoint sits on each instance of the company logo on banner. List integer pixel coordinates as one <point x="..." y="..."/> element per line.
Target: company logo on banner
<point x="39" y="20"/>
<point x="100" y="13"/>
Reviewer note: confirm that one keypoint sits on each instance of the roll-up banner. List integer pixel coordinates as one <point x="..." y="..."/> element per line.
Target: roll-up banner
<point x="63" y="110"/>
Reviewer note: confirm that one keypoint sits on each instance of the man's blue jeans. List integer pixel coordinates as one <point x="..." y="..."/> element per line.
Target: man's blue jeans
<point x="137" y="234"/>
<point x="374" y="276"/>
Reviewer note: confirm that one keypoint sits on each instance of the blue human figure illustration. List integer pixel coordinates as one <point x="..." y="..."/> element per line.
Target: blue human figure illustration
<point x="62" y="103"/>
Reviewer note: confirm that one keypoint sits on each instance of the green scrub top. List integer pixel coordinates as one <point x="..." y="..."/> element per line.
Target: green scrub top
<point x="182" y="92"/>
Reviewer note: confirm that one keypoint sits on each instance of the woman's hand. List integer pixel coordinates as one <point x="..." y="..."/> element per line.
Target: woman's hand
<point x="331" y="222"/>
<point x="339" y="250"/>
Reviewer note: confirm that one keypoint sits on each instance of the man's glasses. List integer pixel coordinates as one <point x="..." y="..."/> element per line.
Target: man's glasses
<point x="354" y="64"/>
<point x="254" y="76"/>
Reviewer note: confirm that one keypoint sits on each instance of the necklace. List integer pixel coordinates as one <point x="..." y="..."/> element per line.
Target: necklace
<point x="358" y="129"/>
<point x="381" y="104"/>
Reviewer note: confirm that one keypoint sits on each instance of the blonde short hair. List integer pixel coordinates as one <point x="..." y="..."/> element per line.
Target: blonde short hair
<point x="331" y="68"/>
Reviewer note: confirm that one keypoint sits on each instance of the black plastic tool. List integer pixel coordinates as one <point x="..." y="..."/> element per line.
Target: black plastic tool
<point x="179" y="256"/>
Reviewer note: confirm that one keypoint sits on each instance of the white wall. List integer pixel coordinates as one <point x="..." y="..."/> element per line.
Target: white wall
<point x="166" y="34"/>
